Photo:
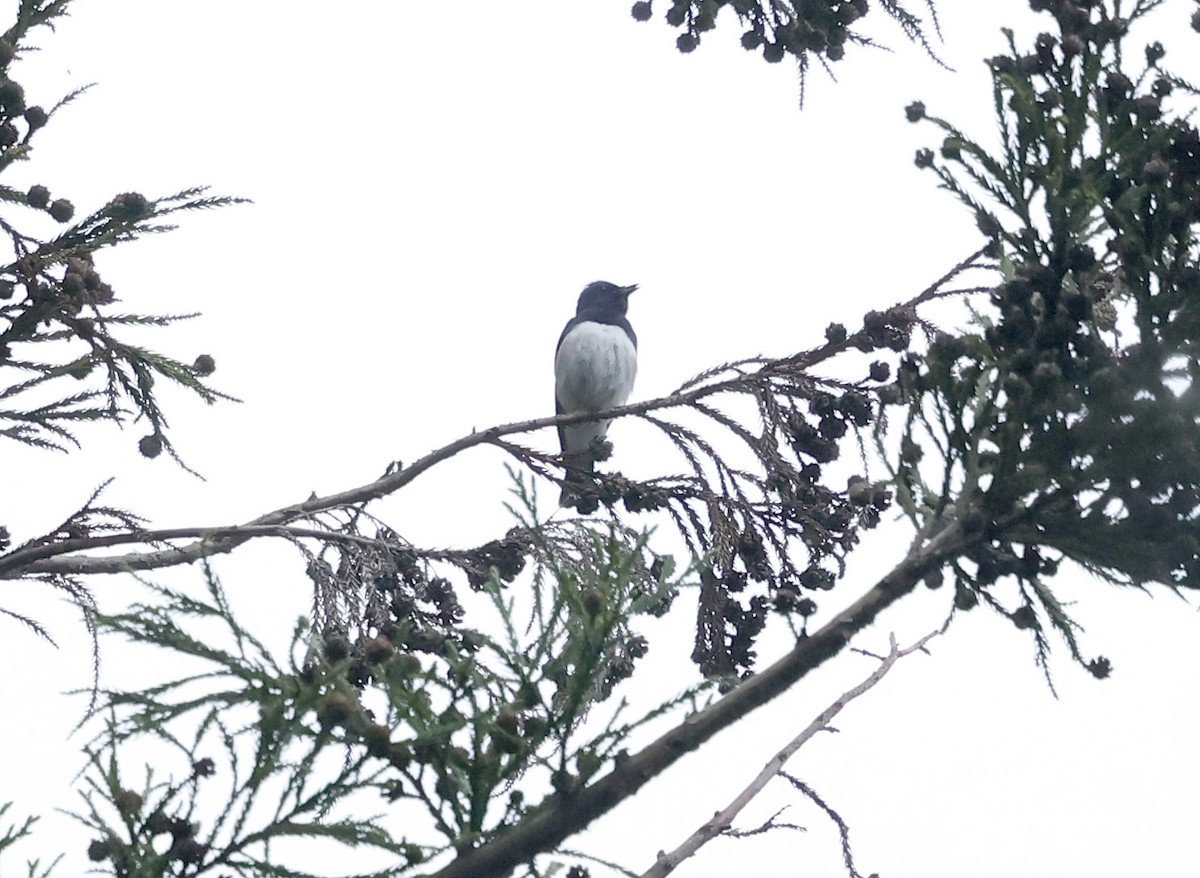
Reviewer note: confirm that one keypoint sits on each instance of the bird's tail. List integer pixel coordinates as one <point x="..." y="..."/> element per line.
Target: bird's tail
<point x="578" y="467"/>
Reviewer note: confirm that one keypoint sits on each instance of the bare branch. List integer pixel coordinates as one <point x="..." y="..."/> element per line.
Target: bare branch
<point x="722" y="821"/>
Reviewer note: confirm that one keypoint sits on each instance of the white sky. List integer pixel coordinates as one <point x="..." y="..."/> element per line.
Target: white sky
<point x="433" y="185"/>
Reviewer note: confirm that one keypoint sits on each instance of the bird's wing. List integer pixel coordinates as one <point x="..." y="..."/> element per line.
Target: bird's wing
<point x="562" y="434"/>
<point x="624" y="324"/>
<point x="558" y="406"/>
<point x="571" y="324"/>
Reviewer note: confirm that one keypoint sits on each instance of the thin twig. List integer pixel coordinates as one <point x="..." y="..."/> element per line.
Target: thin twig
<point x="843" y="829"/>
<point x="723" y="819"/>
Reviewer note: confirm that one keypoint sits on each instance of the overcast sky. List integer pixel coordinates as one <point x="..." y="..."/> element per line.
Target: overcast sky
<point x="433" y="184"/>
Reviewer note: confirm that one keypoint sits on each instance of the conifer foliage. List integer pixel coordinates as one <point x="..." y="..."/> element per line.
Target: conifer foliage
<point x="63" y="361"/>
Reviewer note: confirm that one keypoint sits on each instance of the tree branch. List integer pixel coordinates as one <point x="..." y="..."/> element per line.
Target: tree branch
<point x="561" y="816"/>
<point x="723" y="820"/>
<point x="58" y="556"/>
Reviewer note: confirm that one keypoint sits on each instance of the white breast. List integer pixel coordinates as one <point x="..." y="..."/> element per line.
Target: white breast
<point x="594" y="368"/>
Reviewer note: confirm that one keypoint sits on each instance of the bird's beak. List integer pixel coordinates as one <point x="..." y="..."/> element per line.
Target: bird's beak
<point x="632" y="288"/>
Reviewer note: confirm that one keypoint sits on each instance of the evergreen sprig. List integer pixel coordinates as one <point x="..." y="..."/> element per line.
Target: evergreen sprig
<point x="1069" y="412"/>
<point x="63" y="362"/>
<point x="802" y="30"/>
<point x="53" y="296"/>
<point x="443" y="721"/>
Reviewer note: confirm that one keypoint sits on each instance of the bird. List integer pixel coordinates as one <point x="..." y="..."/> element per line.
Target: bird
<point x="595" y="364"/>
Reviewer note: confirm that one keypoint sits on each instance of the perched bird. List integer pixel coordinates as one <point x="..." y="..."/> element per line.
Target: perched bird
<point x="594" y="368"/>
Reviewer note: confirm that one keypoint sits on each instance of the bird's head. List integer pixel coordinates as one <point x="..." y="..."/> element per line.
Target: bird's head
<point x="602" y="296"/>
